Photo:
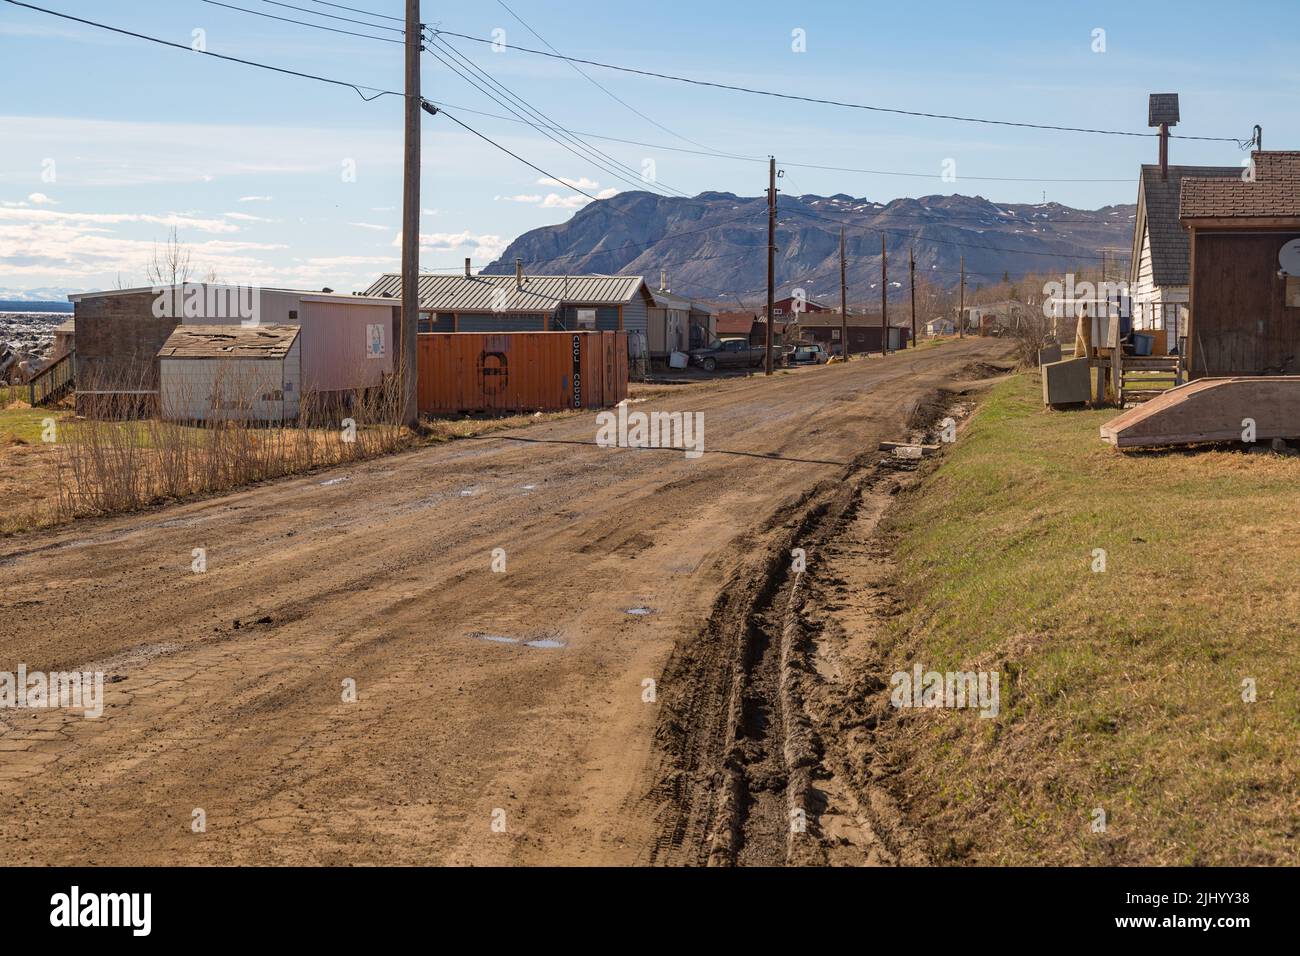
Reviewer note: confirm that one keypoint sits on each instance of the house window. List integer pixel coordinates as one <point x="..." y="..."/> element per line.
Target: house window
<point x="425" y="322"/>
<point x="586" y="319"/>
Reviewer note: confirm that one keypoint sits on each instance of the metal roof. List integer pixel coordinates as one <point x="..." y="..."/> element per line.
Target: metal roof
<point x="307" y="295"/>
<point x="458" y="293"/>
<point x="229" y="341"/>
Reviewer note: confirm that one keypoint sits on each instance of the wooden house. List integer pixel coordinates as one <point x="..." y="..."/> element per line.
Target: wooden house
<point x="1244" y="297"/>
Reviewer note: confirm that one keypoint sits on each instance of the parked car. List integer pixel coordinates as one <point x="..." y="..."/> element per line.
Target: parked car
<point x="727" y="353"/>
<point x="807" y="355"/>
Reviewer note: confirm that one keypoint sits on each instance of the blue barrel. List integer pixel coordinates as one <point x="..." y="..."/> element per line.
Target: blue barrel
<point x="1142" y="343"/>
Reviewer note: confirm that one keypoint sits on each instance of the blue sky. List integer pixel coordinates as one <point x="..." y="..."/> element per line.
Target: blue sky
<point x="107" y="141"/>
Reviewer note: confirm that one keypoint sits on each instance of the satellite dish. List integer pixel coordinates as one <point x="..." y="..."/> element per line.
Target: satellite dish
<point x="1289" y="258"/>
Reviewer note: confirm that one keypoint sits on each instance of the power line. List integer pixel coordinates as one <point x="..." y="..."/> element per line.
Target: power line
<point x="821" y="101"/>
<point x="635" y="180"/>
<point x="676" y="234"/>
<point x="545" y="129"/>
<point x="339" y="6"/>
<point x="434" y="111"/>
<point x="220" y="56"/>
<point x="952" y="242"/>
<point x="718" y="154"/>
<point x="604" y="89"/>
<point x="303" y="23"/>
<point x="330" y="16"/>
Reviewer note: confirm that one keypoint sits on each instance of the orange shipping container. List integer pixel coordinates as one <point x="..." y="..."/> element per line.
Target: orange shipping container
<point x="521" y="371"/>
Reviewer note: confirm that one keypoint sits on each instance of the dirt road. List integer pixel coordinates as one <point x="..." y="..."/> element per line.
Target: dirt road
<point x="466" y="743"/>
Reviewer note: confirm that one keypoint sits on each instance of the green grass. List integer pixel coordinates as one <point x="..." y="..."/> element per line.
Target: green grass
<point x="1120" y="690"/>
<point x="25" y="424"/>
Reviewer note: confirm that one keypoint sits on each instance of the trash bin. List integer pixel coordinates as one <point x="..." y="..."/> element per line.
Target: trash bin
<point x="1143" y="343"/>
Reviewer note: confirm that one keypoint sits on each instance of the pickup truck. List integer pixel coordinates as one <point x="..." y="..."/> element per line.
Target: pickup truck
<point x="727" y="353"/>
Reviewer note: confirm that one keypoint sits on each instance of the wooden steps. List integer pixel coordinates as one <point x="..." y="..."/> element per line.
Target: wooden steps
<point x="52" y="382"/>
<point x="1137" y="371"/>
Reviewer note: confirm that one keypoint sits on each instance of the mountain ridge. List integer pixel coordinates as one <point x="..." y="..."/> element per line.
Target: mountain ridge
<point x="714" y="244"/>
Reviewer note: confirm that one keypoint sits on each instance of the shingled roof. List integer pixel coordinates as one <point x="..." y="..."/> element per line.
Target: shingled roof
<point x="1158" y="210"/>
<point x="1274" y="193"/>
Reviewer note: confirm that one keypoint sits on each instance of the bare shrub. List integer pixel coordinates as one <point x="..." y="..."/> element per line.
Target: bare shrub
<point x="1030" y="332"/>
<point x="116" y="460"/>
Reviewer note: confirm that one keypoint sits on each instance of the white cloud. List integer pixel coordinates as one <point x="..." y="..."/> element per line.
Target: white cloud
<point x="370" y="225"/>
<point x="40" y="199"/>
<point x="254" y="198"/>
<point x="90" y="220"/>
<point x="245" y="217"/>
<point x="485" y="246"/>
<point x="574" y="200"/>
<point x="582" y="182"/>
<point x="520" y="198"/>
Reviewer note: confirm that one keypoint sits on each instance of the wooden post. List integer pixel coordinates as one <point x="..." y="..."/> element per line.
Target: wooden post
<point x="411" y="220"/>
<point x="1117" y="371"/>
<point x="844" y="304"/>
<point x="911" y="274"/>
<point x="884" y="299"/>
<point x="961" y="302"/>
<point x="771" y="261"/>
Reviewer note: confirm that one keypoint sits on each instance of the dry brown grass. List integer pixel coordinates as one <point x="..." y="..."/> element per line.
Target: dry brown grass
<point x="117" y="462"/>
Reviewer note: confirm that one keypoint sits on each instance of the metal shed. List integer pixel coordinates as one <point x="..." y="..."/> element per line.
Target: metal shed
<point x="223" y="372"/>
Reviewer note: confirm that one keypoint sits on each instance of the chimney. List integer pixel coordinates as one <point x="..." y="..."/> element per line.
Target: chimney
<point x="663" y="280"/>
<point x="467" y="269"/>
<point x="519" y="273"/>
<point x="1162" y="113"/>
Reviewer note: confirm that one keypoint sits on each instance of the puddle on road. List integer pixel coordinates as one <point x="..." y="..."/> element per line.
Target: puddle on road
<point x="538" y="642"/>
<point x="639" y="611"/>
<point x="496" y="638"/>
<point x="335" y="481"/>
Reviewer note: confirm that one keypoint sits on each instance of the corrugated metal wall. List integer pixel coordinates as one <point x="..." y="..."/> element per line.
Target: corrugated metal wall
<point x="336" y="338"/>
<point x="521" y="371"/>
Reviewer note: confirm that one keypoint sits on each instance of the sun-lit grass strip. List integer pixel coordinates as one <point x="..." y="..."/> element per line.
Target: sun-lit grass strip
<point x="1122" y="691"/>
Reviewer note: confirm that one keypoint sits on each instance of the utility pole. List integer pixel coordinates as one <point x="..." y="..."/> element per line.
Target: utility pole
<point x="409" y="364"/>
<point x="771" y="259"/>
<point x="884" y="300"/>
<point x="911" y="275"/>
<point x="844" y="303"/>
<point x="961" y="302"/>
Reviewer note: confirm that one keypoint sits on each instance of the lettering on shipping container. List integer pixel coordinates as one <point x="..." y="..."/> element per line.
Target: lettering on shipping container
<point x="577" y="371"/>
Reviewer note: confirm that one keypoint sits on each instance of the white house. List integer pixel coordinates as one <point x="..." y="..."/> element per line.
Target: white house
<point x="1158" y="274"/>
